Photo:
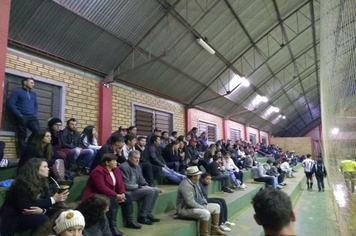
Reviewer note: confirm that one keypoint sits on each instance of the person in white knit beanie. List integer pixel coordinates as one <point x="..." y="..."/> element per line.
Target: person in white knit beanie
<point x="69" y="223"/>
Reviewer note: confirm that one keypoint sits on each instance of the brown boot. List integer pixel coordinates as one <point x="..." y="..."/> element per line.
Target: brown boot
<point x="215" y="230"/>
<point x="203" y="228"/>
<point x="59" y="171"/>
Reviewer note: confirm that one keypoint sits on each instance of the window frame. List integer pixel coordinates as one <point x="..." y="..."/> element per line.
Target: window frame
<point x="62" y="94"/>
<point x="211" y="123"/>
<point x="153" y="109"/>
<point x="264" y="137"/>
<point x="255" y="137"/>
<point x="235" y="130"/>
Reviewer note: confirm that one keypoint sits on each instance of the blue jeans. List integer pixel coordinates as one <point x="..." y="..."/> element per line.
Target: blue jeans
<point x="172" y="176"/>
<point x="84" y="158"/>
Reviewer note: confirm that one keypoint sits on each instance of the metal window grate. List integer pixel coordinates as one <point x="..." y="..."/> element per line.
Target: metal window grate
<point x="235" y="135"/>
<point x="210" y="130"/>
<point x="147" y="119"/>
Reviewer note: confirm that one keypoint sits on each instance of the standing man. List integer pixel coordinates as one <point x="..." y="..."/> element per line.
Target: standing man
<point x="273" y="211"/>
<point x="348" y="168"/>
<point x="71" y="140"/>
<point x="138" y="188"/>
<point x="308" y="165"/>
<point x="23" y="104"/>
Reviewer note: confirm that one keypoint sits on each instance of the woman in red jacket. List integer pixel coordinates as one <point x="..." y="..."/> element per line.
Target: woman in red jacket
<point x="106" y="179"/>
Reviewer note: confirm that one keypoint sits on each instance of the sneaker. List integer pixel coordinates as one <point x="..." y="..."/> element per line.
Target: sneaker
<point x="229" y="224"/>
<point x="322" y="190"/>
<point x="241" y="188"/>
<point x="224" y="228"/>
<point x="243" y="185"/>
<point x="279" y="187"/>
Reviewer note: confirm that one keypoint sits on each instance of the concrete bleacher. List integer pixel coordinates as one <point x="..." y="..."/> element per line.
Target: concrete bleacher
<point x="240" y="210"/>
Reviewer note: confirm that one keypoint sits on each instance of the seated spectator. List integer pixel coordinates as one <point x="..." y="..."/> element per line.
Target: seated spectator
<point x="89" y="138"/>
<point x="130" y="142"/>
<point x="174" y="136"/>
<point x="286" y="168"/>
<point x="94" y="210"/>
<point x="236" y="175"/>
<point x="193" y="133"/>
<point x="259" y="175"/>
<point x="132" y="130"/>
<point x="54" y="127"/>
<point x="154" y="155"/>
<point x="156" y="132"/>
<point x="41" y="148"/>
<point x="140" y="145"/>
<point x="273" y="171"/>
<point x="114" y="145"/>
<point x="106" y="179"/>
<point x="183" y="162"/>
<point x="120" y="131"/>
<point x="216" y="173"/>
<point x="82" y="158"/>
<point x="224" y="225"/>
<point x="138" y="188"/>
<point x="186" y="140"/>
<point x="209" y="153"/>
<point x="193" y="156"/>
<point x="191" y="204"/>
<point x="171" y="156"/>
<point x="67" y="223"/>
<point x="274" y="212"/>
<point x="28" y="201"/>
<point x="164" y="140"/>
<point x="203" y="142"/>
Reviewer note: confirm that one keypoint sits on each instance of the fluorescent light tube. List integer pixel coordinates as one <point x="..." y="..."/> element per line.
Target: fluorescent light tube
<point x="206" y="46"/>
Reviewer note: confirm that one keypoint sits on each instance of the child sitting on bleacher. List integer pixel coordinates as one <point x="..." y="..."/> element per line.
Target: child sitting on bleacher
<point x="205" y="180"/>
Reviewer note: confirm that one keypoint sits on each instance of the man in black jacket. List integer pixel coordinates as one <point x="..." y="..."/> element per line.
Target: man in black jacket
<point x="193" y="156"/>
<point x="154" y="155"/>
<point x="71" y="140"/>
<point x="214" y="170"/>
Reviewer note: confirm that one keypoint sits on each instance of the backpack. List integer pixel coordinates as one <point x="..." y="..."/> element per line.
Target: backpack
<point x="319" y="169"/>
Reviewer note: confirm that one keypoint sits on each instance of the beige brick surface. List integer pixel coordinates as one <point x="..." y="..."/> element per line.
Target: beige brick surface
<point x="77" y="85"/>
<point x="197" y="115"/>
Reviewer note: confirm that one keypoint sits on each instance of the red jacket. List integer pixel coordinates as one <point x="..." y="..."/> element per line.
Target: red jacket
<point x="101" y="182"/>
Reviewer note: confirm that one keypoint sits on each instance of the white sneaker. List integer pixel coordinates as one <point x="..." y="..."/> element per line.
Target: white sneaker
<point x="224" y="228"/>
<point x="243" y="185"/>
<point x="242" y="188"/>
<point x="279" y="187"/>
<point x="229" y="224"/>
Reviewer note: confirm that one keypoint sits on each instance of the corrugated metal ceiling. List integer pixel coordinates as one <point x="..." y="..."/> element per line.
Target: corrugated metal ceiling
<point x="152" y="44"/>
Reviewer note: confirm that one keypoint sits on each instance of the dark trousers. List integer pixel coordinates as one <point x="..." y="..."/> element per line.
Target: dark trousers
<point x="223" y="208"/>
<point x="225" y="180"/>
<point x="149" y="171"/>
<point x="267" y="180"/>
<point x="320" y="180"/>
<point x="126" y="205"/>
<point x="201" y="162"/>
<point x="24" y="123"/>
<point x="239" y="175"/>
<point x="281" y="177"/>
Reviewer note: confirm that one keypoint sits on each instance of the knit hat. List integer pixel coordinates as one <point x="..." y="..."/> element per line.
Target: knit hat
<point x="53" y="121"/>
<point x="68" y="219"/>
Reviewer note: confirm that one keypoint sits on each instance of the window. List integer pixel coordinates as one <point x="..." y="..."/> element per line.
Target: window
<point x="209" y="129"/>
<point x="264" y="139"/>
<point x="235" y="135"/>
<point x="147" y="119"/>
<point x="252" y="138"/>
<point x="49" y="98"/>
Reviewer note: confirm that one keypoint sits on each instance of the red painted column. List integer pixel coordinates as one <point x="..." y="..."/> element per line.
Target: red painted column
<point x="4" y="32"/>
<point x="105" y="113"/>
<point x="246" y="135"/>
<point x="259" y="136"/>
<point x="225" y="129"/>
<point x="188" y="120"/>
<point x="269" y="139"/>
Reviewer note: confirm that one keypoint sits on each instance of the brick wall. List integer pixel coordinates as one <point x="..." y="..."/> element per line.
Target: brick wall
<point x="123" y="97"/>
<point x="82" y="93"/>
<point x="197" y="115"/>
<point x="234" y="125"/>
<point x="301" y="146"/>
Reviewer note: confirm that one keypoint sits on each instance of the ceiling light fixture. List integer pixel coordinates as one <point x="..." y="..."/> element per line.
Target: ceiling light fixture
<point x="206" y="46"/>
<point x="272" y="109"/>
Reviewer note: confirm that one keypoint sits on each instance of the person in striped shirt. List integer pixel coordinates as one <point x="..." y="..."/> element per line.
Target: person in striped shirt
<point x="308" y="164"/>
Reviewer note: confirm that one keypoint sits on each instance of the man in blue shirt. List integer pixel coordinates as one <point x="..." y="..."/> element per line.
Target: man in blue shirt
<point x="23" y="104"/>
